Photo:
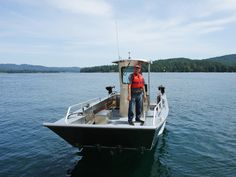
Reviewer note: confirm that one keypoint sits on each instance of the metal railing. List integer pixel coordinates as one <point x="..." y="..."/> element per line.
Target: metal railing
<point x="80" y="106"/>
<point x="157" y="110"/>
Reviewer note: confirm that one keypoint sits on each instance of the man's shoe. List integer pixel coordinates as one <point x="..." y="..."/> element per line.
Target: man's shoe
<point x="139" y="120"/>
<point x="131" y="123"/>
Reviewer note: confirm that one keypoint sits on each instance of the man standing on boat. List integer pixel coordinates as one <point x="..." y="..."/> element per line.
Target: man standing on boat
<point x="136" y="92"/>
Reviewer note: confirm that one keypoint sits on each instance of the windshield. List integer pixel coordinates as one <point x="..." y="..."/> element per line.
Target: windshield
<point x="125" y="72"/>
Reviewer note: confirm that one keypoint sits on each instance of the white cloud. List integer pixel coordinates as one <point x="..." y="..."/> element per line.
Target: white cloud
<point x="180" y="33"/>
<point x="89" y="7"/>
<point x="74" y="28"/>
<point x="222" y="5"/>
<point x="181" y="24"/>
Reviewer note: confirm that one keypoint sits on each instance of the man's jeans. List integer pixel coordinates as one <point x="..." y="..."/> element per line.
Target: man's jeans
<point x="136" y="100"/>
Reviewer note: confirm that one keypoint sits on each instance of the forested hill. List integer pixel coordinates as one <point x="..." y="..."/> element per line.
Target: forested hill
<point x="24" y="68"/>
<point x="225" y="63"/>
<point x="229" y="60"/>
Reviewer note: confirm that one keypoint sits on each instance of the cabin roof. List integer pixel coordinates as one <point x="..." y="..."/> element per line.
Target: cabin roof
<point x="128" y="60"/>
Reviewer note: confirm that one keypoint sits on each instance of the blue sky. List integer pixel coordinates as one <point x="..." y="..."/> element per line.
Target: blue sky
<point x="83" y="32"/>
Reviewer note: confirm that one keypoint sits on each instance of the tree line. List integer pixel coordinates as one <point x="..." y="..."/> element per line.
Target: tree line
<point x="175" y="65"/>
<point x="226" y="63"/>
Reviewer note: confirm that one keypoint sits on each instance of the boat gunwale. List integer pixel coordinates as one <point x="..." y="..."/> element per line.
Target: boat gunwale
<point x="107" y="126"/>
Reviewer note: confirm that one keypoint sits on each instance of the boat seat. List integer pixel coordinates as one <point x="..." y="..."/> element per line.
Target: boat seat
<point x="90" y="118"/>
<point x="103" y="116"/>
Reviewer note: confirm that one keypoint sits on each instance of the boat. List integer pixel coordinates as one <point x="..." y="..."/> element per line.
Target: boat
<point x="103" y="122"/>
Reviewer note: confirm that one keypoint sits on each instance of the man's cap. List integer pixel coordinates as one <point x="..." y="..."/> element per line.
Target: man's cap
<point x="137" y="66"/>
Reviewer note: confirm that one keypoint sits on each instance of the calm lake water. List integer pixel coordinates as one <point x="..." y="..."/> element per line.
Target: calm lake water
<point x="199" y="139"/>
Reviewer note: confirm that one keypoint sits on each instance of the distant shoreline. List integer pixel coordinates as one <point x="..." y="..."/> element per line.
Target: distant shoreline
<point x="222" y="64"/>
<point x="1" y="73"/>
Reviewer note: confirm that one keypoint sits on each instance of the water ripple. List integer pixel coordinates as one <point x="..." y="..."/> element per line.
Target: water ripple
<point x="199" y="139"/>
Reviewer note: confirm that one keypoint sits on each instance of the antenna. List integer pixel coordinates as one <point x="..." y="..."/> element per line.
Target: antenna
<point x="117" y="41"/>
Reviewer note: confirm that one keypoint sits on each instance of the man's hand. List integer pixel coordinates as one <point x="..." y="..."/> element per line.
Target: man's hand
<point x="129" y="98"/>
<point x="145" y="97"/>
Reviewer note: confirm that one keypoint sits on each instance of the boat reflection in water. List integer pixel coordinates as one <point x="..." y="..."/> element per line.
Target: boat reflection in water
<point x="126" y="163"/>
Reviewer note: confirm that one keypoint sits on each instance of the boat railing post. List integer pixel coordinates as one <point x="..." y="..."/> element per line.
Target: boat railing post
<point x="67" y="115"/>
<point x="155" y="113"/>
<point x="157" y="110"/>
